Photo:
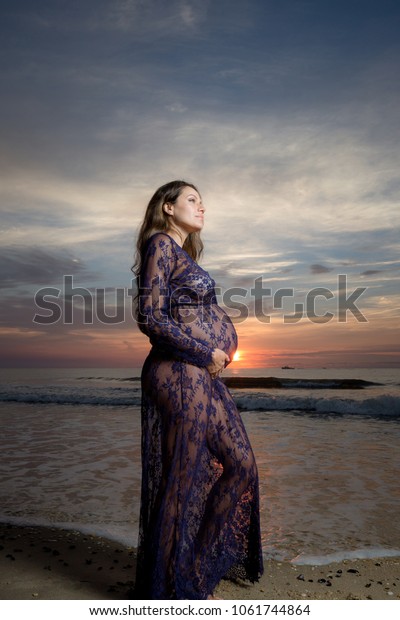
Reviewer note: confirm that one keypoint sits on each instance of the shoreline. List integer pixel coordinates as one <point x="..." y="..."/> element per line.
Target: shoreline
<point x="46" y="563"/>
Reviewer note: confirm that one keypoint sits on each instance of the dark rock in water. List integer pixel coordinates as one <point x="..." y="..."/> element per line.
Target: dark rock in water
<point x="328" y="583"/>
<point x="322" y="580"/>
<point x="300" y="577"/>
<point x="242" y="383"/>
<point x="353" y="570"/>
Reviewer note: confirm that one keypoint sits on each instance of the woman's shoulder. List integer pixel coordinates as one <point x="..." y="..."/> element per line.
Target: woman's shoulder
<point x="161" y="243"/>
<point x="161" y="237"/>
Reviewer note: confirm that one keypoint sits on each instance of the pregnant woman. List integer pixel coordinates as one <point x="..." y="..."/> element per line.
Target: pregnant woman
<point x="199" y="515"/>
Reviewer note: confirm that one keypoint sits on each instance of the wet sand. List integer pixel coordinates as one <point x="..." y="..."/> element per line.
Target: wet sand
<point x="50" y="563"/>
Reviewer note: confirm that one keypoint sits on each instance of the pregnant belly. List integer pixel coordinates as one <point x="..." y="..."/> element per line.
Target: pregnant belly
<point x="211" y="325"/>
<point x="225" y="335"/>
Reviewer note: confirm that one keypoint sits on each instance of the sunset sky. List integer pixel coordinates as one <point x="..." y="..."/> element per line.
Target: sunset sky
<point x="285" y="113"/>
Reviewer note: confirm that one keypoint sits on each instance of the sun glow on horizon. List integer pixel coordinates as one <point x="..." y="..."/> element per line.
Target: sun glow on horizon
<point x="236" y="357"/>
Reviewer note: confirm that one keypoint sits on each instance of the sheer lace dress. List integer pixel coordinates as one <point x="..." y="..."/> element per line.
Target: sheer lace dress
<point x="199" y="515"/>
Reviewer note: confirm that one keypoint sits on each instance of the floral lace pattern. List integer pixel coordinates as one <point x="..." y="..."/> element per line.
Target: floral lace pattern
<point x="199" y="516"/>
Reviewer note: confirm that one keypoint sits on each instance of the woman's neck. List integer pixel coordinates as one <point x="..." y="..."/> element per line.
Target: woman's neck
<point x="180" y="237"/>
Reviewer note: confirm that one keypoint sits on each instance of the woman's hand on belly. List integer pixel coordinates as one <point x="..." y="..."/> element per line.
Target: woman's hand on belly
<point x="219" y="360"/>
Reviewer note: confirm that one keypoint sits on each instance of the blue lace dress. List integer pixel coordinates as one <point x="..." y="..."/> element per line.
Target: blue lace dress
<point x="199" y="515"/>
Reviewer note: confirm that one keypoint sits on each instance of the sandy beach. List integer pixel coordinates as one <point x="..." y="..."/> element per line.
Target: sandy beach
<point x="51" y="563"/>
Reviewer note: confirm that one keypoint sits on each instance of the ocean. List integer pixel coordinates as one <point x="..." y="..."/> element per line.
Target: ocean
<point x="326" y="443"/>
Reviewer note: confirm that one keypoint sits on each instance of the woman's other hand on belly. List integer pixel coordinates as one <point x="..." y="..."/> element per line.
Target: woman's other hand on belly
<point x="219" y="361"/>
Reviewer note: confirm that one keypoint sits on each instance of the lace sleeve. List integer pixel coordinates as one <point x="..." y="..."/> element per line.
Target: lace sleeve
<point x="154" y="305"/>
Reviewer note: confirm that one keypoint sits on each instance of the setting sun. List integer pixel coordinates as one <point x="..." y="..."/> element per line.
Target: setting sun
<point x="236" y="357"/>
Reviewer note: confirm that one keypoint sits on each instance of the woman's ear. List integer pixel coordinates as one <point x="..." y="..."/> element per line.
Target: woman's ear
<point x="168" y="208"/>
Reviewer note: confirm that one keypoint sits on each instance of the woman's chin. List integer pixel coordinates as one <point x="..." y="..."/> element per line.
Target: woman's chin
<point x="194" y="229"/>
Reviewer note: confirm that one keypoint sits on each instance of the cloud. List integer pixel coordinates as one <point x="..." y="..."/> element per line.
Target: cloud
<point x="17" y="311"/>
<point x="317" y="269"/>
<point x="177" y="108"/>
<point x="370" y="272"/>
<point x="21" y="265"/>
<point x="136" y="17"/>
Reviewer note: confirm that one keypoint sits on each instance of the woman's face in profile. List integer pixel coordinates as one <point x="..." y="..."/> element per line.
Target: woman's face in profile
<point x="188" y="210"/>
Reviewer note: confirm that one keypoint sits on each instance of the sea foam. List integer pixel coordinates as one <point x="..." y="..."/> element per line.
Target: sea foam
<point x="383" y="405"/>
<point x="356" y="554"/>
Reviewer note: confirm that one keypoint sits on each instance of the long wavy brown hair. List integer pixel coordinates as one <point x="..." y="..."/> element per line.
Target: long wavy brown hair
<point x="156" y="220"/>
